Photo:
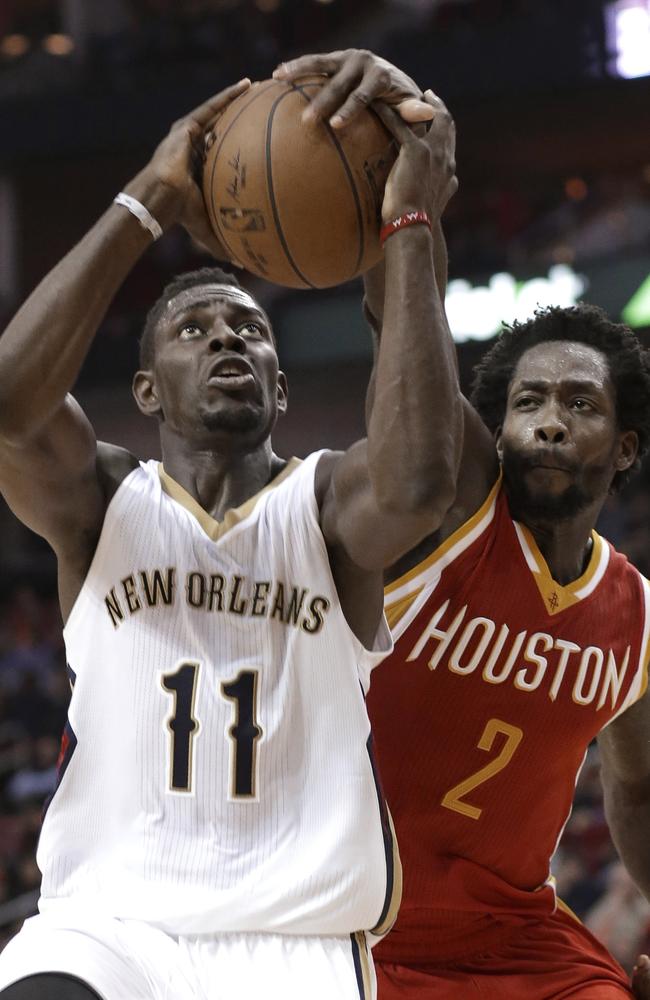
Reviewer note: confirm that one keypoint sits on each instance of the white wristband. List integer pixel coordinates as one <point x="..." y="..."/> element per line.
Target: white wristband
<point x="142" y="214"/>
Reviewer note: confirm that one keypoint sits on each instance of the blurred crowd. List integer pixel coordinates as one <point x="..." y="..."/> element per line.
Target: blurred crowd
<point x="133" y="45"/>
<point x="591" y="879"/>
<point x="34" y="695"/>
<point x="55" y="49"/>
<point x="561" y="220"/>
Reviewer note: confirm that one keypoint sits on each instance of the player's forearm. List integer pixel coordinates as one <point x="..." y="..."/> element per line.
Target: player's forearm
<point x="440" y="260"/>
<point x="43" y="348"/>
<point x="374" y="287"/>
<point x="415" y="428"/>
<point x="627" y="808"/>
<point x="374" y="280"/>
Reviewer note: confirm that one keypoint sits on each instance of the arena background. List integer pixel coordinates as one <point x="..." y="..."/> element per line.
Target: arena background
<point x="552" y="103"/>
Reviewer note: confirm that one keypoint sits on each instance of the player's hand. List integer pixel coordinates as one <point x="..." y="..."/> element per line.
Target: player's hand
<point x="423" y="176"/>
<point x="176" y="167"/>
<point x="641" y="978"/>
<point x="357" y="77"/>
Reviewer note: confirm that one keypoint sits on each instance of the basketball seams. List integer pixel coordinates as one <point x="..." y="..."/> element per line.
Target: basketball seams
<point x="215" y="157"/>
<point x="270" y="188"/>
<point x="348" y="172"/>
<point x="291" y="248"/>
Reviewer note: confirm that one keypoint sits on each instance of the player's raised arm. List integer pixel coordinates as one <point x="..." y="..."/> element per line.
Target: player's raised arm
<point x="357" y="78"/>
<point x="389" y="492"/>
<point x="477" y="461"/>
<point x="47" y="447"/>
<point x="374" y="280"/>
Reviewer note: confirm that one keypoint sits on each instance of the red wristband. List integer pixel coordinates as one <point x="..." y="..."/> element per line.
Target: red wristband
<point x="408" y="219"/>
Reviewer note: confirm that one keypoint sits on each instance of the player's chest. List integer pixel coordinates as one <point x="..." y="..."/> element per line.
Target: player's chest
<point x="497" y="645"/>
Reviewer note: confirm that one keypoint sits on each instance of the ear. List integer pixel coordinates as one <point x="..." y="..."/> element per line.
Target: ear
<point x="143" y="388"/>
<point x="498" y="442"/>
<point x="628" y="447"/>
<point x="283" y="393"/>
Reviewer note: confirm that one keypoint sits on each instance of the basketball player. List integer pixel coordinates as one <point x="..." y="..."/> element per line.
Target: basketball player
<point x="520" y="636"/>
<point x="526" y="636"/>
<point x="217" y="830"/>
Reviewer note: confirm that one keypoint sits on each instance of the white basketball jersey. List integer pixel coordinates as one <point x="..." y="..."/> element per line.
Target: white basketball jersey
<point x="216" y="771"/>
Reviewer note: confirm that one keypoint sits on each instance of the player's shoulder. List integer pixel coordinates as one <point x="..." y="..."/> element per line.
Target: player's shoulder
<point x="326" y="462"/>
<point x="619" y="567"/>
<point x="114" y="464"/>
<point x="466" y="520"/>
<point x="413" y="559"/>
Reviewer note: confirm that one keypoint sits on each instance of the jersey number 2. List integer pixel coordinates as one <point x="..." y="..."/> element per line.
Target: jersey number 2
<point x="244" y="733"/>
<point x="453" y="799"/>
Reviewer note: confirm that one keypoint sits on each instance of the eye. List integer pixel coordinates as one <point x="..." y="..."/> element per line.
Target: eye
<point x="251" y="329"/>
<point x="189" y="331"/>
<point x="526" y="402"/>
<point x="581" y="404"/>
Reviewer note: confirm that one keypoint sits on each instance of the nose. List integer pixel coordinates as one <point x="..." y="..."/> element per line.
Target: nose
<point x="550" y="428"/>
<point x="223" y="336"/>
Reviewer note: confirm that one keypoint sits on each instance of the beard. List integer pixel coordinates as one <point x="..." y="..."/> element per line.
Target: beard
<point x="240" y="419"/>
<point x="528" y="504"/>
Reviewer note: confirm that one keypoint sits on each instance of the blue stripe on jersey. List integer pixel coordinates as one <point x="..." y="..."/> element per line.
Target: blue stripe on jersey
<point x="387" y="835"/>
<point x="358" y="969"/>
<point x="68" y="747"/>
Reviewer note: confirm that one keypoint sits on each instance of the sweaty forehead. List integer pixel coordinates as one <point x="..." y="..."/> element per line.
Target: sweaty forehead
<point x="210" y="292"/>
<point x="562" y="360"/>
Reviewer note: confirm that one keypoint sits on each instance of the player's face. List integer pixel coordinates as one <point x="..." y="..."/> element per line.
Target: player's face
<point x="560" y="444"/>
<point x="216" y="366"/>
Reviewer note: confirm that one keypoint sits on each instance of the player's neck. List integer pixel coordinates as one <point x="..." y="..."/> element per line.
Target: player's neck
<point x="220" y="482"/>
<point x="565" y="545"/>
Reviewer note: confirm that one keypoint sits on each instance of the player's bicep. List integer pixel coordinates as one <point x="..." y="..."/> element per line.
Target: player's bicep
<point x="352" y="518"/>
<point x="50" y="481"/>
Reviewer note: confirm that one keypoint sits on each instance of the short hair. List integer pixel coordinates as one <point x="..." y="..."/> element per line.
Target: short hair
<point x="627" y="359"/>
<point x="178" y="284"/>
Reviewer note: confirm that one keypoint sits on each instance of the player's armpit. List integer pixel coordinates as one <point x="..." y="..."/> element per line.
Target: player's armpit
<point x="354" y="518"/>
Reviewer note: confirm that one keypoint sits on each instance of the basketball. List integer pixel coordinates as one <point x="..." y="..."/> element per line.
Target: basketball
<point x="296" y="203"/>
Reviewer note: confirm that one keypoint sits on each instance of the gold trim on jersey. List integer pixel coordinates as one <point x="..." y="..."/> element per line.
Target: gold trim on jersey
<point x="558" y="597"/>
<point x="364" y="963"/>
<point x="645" y="648"/>
<point x="551" y="881"/>
<point x="393" y="894"/>
<point x="561" y="905"/>
<point x="217" y="529"/>
<point x="397" y="610"/>
<point x="396" y="894"/>
<point x="400" y="595"/>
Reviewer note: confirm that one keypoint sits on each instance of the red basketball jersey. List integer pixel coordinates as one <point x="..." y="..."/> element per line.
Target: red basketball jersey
<point x="482" y="717"/>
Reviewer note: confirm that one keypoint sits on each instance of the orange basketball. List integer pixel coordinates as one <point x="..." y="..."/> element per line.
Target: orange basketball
<point x="298" y="204"/>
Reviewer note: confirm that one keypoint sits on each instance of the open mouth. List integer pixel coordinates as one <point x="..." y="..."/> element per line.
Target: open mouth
<point x="227" y="381"/>
<point x="229" y="374"/>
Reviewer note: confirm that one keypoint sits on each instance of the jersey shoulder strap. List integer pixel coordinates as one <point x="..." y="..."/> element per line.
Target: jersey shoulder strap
<point x="404" y="596"/>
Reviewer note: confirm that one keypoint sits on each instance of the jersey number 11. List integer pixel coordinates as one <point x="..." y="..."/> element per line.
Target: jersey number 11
<point x="243" y="734"/>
